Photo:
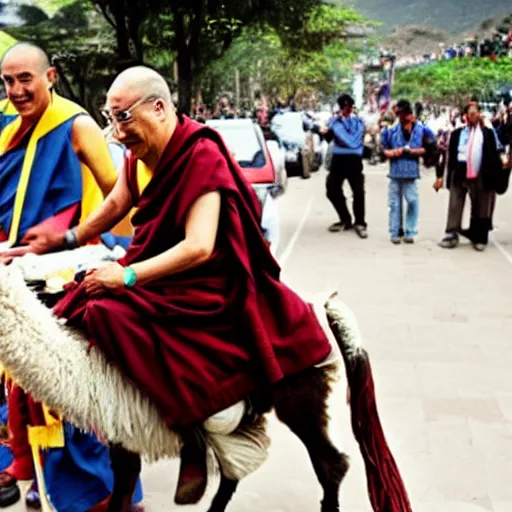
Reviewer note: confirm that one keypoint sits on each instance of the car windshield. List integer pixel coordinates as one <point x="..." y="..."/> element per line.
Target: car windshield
<point x="243" y="143"/>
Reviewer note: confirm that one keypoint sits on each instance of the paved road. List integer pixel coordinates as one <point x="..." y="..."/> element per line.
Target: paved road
<point x="437" y="324"/>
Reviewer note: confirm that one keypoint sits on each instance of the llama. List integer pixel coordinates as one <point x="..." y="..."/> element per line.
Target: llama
<point x="57" y="367"/>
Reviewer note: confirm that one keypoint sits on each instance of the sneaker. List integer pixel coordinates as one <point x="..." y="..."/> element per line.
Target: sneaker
<point x="480" y="247"/>
<point x="361" y="231"/>
<point x="408" y="239"/>
<point x="336" y="227"/>
<point x="449" y="242"/>
<point x="396" y="240"/>
<point x="339" y="226"/>
<point x="32" y="498"/>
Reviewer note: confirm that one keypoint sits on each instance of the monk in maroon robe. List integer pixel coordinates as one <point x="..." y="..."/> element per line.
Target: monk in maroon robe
<point x="195" y="314"/>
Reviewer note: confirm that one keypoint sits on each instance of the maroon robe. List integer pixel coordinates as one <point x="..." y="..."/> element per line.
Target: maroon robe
<point x="201" y="340"/>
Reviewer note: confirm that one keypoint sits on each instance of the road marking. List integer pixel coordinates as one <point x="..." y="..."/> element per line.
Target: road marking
<point x="503" y="251"/>
<point x="291" y="244"/>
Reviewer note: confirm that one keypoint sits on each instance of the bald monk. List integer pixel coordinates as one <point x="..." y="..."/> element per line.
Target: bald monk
<point x="195" y="313"/>
<point x="55" y="169"/>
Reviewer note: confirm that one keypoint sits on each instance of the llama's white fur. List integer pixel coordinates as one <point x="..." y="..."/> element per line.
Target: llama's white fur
<point x="55" y="365"/>
<point x="75" y="380"/>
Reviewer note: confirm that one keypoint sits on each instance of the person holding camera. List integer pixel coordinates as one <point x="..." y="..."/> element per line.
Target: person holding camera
<point x="346" y="131"/>
<point x="404" y="144"/>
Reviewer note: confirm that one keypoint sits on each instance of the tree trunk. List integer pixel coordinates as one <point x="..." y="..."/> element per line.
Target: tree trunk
<point x="185" y="80"/>
<point x="134" y="25"/>
<point x="65" y="83"/>
<point x="123" y="40"/>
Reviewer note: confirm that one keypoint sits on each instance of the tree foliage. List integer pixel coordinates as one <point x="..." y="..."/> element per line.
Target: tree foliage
<point x="278" y="46"/>
<point x="455" y="80"/>
<point x="314" y="57"/>
<point x="82" y="48"/>
<point x="203" y="31"/>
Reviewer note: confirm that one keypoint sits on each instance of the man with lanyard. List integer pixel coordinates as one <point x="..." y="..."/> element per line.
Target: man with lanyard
<point x="347" y="133"/>
<point x="473" y="165"/>
<point x="55" y="170"/>
<point x="404" y="144"/>
<point x="195" y="314"/>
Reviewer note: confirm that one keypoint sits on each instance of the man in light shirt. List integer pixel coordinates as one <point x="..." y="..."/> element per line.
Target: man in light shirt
<point x="473" y="166"/>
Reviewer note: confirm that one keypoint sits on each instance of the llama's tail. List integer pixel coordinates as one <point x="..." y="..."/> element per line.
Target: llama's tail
<point x="385" y="485"/>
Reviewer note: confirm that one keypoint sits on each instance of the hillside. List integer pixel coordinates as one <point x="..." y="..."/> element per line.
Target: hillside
<point x="453" y="16"/>
<point x="420" y="39"/>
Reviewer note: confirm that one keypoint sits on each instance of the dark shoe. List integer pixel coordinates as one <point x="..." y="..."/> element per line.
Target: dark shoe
<point x="361" y="231"/>
<point x="193" y="476"/>
<point x="9" y="496"/>
<point x="449" y="242"/>
<point x="336" y="227"/>
<point x="32" y="499"/>
<point x="339" y="226"/>
<point x="396" y="240"/>
<point x="408" y="239"/>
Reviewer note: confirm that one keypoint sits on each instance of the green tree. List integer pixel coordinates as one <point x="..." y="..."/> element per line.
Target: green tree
<point x="199" y="31"/>
<point x="82" y="48"/>
<point x="311" y="57"/>
<point x="454" y="81"/>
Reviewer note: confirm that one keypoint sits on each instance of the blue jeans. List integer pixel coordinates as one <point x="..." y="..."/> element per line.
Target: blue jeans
<point x="400" y="189"/>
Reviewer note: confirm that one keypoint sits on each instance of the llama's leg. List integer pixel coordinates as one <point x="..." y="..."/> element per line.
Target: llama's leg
<point x="126" y="467"/>
<point x="193" y="476"/>
<point x="226" y="491"/>
<point x="300" y="402"/>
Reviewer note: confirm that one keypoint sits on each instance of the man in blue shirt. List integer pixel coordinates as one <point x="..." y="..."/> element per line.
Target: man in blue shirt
<point x="347" y="133"/>
<point x="404" y="144"/>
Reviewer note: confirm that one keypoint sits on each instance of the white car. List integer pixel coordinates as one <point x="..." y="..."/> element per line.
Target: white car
<point x="303" y="148"/>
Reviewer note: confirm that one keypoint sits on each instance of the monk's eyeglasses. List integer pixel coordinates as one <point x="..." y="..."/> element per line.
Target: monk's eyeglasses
<point x="123" y="116"/>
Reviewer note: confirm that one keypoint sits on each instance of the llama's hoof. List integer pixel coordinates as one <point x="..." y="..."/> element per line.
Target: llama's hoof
<point x="191" y="491"/>
<point x="193" y="471"/>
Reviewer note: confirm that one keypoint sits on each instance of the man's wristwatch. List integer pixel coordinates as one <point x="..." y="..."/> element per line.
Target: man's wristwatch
<point x="71" y="239"/>
<point x="130" y="278"/>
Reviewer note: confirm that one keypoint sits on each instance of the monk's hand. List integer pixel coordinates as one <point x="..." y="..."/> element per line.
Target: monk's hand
<point x="103" y="279"/>
<point x="42" y="240"/>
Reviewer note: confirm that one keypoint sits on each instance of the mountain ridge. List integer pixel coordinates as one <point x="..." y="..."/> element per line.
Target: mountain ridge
<point x="456" y="17"/>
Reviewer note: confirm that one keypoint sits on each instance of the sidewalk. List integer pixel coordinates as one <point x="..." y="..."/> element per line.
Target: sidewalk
<point x="438" y="326"/>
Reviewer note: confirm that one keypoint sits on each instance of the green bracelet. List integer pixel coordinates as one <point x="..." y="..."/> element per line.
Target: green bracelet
<point x="130" y="278"/>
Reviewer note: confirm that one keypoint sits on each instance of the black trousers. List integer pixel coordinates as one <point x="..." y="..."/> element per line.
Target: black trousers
<point x="350" y="168"/>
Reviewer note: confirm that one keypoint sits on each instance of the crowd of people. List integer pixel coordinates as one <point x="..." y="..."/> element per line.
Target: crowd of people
<point x="496" y="46"/>
<point x="471" y="154"/>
